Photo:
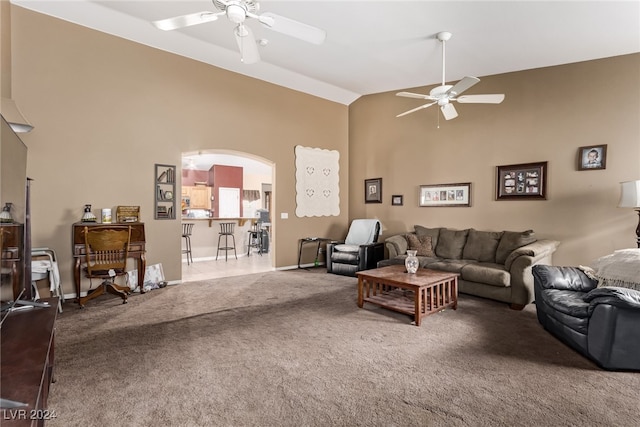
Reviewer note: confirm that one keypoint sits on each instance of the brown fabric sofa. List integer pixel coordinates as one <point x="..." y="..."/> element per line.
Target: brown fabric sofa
<point x="491" y="264"/>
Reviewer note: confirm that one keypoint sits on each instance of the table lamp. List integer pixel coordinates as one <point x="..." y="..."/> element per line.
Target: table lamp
<point x="88" y="216"/>
<point x="5" y="215"/>
<point x="630" y="198"/>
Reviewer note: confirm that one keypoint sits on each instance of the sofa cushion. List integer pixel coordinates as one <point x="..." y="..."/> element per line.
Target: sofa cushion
<point x="434" y="233"/>
<point x="451" y="265"/>
<point x="565" y="313"/>
<point x="482" y="245"/>
<point x="489" y="273"/>
<point x="345" y="257"/>
<point x="567" y="302"/>
<point x="451" y="243"/>
<point x="421" y="244"/>
<point x="512" y="240"/>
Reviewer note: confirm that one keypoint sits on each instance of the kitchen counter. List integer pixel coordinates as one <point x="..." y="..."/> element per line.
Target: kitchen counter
<point x="241" y="221"/>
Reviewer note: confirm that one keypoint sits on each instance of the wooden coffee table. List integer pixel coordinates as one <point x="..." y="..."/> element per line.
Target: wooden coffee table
<point x="420" y="294"/>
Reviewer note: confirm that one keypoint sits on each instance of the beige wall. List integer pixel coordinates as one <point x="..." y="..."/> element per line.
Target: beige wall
<point x="106" y="109"/>
<point x="547" y="114"/>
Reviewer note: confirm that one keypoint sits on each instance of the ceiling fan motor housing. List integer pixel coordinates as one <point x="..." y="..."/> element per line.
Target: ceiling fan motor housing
<point x="250" y="6"/>
<point x="236" y="14"/>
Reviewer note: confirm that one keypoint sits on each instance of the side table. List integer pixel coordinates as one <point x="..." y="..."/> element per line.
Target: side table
<point x="317" y="240"/>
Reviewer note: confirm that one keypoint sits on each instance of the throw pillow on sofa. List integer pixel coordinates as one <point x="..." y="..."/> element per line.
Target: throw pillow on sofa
<point x="431" y="232"/>
<point x="422" y="244"/>
<point x="482" y="245"/>
<point x="512" y="240"/>
<point x="451" y="243"/>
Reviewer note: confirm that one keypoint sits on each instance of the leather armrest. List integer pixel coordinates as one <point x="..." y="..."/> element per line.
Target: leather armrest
<point x="618" y="297"/>
<point x="370" y="255"/>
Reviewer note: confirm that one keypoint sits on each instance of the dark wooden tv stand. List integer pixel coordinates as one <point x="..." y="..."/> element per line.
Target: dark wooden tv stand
<point x="26" y="363"/>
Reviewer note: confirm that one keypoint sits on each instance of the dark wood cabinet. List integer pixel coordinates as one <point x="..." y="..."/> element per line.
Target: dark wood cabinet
<point x="13" y="263"/>
<point x="27" y="362"/>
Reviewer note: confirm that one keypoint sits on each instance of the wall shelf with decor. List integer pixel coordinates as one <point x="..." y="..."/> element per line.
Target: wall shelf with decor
<point x="165" y="192"/>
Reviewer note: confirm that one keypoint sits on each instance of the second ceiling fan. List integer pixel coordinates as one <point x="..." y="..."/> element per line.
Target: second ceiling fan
<point x="444" y="94"/>
<point x="237" y="11"/>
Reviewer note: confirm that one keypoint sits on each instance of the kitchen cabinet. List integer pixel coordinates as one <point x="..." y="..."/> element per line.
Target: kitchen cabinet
<point x="198" y="196"/>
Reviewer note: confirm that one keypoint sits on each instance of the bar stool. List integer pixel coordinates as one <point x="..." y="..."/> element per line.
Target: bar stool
<point x="255" y="238"/>
<point x="226" y="230"/>
<point x="187" y="227"/>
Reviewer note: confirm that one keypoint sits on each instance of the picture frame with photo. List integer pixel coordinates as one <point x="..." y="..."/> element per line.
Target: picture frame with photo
<point x="396" y="200"/>
<point x="373" y="190"/>
<point x="522" y="181"/>
<point x="445" y="195"/>
<point x="592" y="157"/>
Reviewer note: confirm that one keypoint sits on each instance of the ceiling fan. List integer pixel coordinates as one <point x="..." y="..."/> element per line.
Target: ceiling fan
<point x="237" y="11"/>
<point x="443" y="95"/>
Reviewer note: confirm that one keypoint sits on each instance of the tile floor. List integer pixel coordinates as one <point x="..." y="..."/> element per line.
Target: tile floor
<point x="210" y="269"/>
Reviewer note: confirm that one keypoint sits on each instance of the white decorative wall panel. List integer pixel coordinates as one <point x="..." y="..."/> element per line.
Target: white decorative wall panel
<point x="317" y="182"/>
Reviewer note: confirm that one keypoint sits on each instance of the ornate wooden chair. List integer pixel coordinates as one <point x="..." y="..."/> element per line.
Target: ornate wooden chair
<point x="106" y="253"/>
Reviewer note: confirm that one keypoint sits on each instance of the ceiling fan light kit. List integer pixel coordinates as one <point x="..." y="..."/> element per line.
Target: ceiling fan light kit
<point x="237" y="11"/>
<point x="444" y="94"/>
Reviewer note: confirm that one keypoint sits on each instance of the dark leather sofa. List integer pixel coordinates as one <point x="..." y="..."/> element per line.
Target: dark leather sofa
<point x="602" y="323"/>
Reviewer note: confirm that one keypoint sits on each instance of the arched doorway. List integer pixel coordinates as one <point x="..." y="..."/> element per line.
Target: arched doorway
<point x="251" y="177"/>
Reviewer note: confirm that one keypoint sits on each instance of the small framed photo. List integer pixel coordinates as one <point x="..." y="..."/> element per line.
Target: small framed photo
<point x="523" y="181"/>
<point x="592" y="157"/>
<point x="396" y="200"/>
<point x="445" y="194"/>
<point x="373" y="190"/>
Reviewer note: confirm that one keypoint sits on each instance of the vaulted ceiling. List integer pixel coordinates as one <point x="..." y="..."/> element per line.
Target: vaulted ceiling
<point x="376" y="46"/>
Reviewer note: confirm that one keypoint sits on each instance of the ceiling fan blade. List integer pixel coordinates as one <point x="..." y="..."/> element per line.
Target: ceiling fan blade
<point x="495" y="98"/>
<point x="462" y="85"/>
<point x="449" y="111"/>
<point x="292" y="28"/>
<point x="186" y="20"/>
<point x="413" y="95"/>
<point x="415" y="109"/>
<point x="247" y="44"/>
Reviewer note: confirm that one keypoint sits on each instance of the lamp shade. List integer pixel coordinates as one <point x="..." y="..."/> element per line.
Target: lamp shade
<point x="14" y="116"/>
<point x="630" y="194"/>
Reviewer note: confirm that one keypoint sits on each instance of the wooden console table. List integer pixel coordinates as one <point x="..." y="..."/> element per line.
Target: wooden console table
<point x="26" y="363"/>
<point x="136" y="250"/>
<point x="420" y="294"/>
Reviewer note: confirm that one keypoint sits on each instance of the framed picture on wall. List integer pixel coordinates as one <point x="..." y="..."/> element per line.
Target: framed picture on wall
<point x="592" y="157"/>
<point x="445" y="194"/>
<point x="373" y="190"/>
<point x="523" y="181"/>
<point x="396" y="200"/>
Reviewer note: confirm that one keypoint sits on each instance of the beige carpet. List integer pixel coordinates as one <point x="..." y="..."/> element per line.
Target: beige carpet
<point x="291" y="348"/>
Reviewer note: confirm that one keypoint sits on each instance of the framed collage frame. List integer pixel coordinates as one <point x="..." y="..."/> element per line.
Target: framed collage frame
<point x="442" y="195"/>
<point x="521" y="182"/>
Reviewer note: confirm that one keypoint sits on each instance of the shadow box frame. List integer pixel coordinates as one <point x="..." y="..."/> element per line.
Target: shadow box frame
<point x="397" y="200"/>
<point x="454" y="195"/>
<point x="373" y="190"/>
<point x="583" y="156"/>
<point x="524" y="181"/>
